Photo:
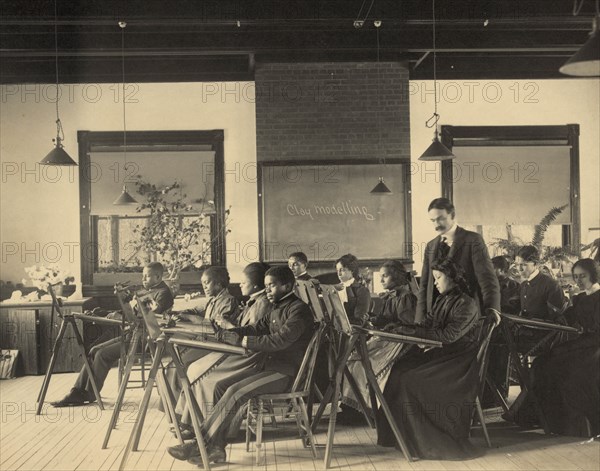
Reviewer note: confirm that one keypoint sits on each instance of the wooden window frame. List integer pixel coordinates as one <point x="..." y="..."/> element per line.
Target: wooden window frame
<point x="89" y="139"/>
<point x="559" y="135"/>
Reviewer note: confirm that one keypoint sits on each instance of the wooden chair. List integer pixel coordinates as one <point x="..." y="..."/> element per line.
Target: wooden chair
<point x="521" y="362"/>
<point x="297" y="395"/>
<point x="490" y="322"/>
<point x="70" y="320"/>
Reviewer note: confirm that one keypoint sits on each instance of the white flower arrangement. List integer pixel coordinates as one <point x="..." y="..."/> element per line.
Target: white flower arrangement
<point x="42" y="276"/>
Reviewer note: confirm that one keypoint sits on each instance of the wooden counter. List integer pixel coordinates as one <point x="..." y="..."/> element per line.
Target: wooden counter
<point x="26" y="326"/>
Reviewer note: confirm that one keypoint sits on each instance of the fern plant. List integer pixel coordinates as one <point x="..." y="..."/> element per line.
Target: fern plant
<point x="542" y="227"/>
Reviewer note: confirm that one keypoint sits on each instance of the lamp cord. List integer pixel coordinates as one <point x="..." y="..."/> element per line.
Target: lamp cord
<point x="431" y="122"/>
<point x="381" y="155"/>
<point x="122" y="24"/>
<point x="60" y="135"/>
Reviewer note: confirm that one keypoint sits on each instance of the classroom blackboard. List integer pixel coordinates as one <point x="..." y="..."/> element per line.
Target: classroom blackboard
<point x="326" y="210"/>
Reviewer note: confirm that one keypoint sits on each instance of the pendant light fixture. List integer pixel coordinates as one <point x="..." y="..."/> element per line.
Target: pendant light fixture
<point x="586" y="61"/>
<point x="381" y="188"/>
<point x="124" y="198"/>
<point x="436" y="150"/>
<point x="58" y="155"/>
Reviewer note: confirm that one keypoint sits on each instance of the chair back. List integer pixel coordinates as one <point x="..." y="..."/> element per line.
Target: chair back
<point x="304" y="377"/>
<point x="413" y="283"/>
<point x="490" y="322"/>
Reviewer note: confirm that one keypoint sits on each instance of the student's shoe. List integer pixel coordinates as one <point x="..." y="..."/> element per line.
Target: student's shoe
<point x="185" y="451"/>
<point x="187" y="433"/>
<point x="215" y="455"/>
<point x="76" y="397"/>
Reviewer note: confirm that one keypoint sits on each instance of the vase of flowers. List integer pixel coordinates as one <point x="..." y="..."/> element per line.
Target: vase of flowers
<point x="43" y="276"/>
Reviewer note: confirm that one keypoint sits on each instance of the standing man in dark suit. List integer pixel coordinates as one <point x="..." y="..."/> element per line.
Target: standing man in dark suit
<point x="466" y="249"/>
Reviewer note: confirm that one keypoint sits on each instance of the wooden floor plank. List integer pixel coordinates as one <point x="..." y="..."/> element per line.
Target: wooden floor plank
<point x="70" y="439"/>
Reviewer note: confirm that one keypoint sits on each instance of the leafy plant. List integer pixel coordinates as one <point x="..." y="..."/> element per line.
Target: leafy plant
<point x="550" y="255"/>
<point x="542" y="227"/>
<point x="176" y="233"/>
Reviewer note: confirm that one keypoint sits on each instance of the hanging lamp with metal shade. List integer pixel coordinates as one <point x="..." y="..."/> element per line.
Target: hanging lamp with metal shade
<point x="124" y="198"/>
<point x="436" y="150"/>
<point x="58" y="155"/>
<point x="381" y="188"/>
<point x="586" y="61"/>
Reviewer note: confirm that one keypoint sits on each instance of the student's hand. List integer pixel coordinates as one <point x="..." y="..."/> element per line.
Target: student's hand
<point x="229" y="337"/>
<point x="390" y="327"/>
<point x="114" y="315"/>
<point x="153" y="305"/>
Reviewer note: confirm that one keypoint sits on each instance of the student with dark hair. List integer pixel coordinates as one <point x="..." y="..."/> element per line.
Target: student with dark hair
<point x="222" y="309"/>
<point x="426" y="384"/>
<point x="105" y="354"/>
<point x="541" y="296"/>
<point x="279" y="341"/>
<point x="509" y="288"/>
<point x="353" y="293"/>
<point x="566" y="381"/>
<point x="397" y="307"/>
<point x="298" y="263"/>
<point x="257" y="307"/>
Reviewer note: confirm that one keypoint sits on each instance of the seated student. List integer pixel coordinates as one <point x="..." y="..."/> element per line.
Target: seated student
<point x="509" y="288"/>
<point x="398" y="307"/>
<point x="353" y="293"/>
<point x="106" y="353"/>
<point x="279" y="341"/>
<point x="431" y="391"/>
<point x="566" y="381"/>
<point x="541" y="297"/>
<point x="222" y="309"/>
<point x="298" y="263"/>
<point x="257" y="307"/>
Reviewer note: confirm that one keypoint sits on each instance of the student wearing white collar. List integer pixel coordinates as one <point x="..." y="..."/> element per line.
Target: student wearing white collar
<point x="353" y="293"/>
<point x="566" y="379"/>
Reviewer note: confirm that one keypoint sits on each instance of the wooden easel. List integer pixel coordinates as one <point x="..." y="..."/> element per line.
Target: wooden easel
<point x="163" y="387"/>
<point x="164" y="347"/>
<point x="69" y="320"/>
<point x="352" y="337"/>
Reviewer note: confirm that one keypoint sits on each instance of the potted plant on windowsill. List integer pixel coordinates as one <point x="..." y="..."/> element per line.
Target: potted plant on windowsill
<point x="555" y="261"/>
<point x="177" y="233"/>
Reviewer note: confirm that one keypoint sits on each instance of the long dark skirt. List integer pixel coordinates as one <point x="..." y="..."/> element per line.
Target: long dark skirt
<point x="432" y="398"/>
<point x="567" y="384"/>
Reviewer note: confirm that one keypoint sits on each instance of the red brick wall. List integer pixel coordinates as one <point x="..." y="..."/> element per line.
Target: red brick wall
<point x="331" y="111"/>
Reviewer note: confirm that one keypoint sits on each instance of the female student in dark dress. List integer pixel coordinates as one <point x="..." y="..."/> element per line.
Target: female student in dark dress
<point x="398" y="306"/>
<point x="567" y="380"/>
<point x="431" y="392"/>
<point x="353" y="293"/>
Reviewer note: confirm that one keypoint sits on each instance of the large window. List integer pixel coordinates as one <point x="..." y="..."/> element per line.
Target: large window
<point x="193" y="159"/>
<point x="506" y="178"/>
